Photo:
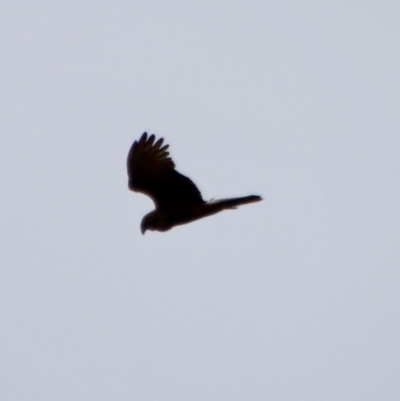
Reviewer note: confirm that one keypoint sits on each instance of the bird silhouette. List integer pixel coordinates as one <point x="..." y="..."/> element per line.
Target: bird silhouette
<point x="178" y="201"/>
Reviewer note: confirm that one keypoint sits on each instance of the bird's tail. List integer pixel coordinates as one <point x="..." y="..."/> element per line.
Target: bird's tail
<point x="233" y="203"/>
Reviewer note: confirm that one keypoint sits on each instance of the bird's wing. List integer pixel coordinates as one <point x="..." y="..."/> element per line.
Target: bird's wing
<point x="152" y="172"/>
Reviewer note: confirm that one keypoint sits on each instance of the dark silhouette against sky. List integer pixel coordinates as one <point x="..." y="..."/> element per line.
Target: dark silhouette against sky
<point x="177" y="199"/>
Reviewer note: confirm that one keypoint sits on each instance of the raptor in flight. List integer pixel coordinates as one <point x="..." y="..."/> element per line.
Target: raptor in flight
<point x="152" y="172"/>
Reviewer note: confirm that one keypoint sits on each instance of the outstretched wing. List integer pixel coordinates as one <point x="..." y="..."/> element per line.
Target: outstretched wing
<point x="152" y="172"/>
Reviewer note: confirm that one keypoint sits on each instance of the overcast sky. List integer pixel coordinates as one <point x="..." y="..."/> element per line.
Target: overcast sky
<point x="293" y="298"/>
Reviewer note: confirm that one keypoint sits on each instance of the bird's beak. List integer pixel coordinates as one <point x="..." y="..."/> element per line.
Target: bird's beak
<point x="143" y="230"/>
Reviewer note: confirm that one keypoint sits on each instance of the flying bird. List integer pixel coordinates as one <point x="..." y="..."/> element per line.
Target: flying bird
<point x="178" y="201"/>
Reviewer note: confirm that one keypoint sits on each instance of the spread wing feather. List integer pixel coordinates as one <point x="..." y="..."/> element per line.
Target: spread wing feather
<point x="152" y="172"/>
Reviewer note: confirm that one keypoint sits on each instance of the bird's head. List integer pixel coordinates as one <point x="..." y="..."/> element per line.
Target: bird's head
<point x="154" y="221"/>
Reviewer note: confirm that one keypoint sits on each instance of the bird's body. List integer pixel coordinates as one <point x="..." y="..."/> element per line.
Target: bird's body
<point x="177" y="199"/>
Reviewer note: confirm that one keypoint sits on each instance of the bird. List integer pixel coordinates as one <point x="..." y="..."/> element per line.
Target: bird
<point x="151" y="171"/>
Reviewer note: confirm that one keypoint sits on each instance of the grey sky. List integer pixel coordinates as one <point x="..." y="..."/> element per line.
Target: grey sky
<point x="294" y="298"/>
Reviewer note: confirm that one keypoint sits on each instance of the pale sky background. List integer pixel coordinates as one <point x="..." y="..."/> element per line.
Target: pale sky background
<point x="294" y="298"/>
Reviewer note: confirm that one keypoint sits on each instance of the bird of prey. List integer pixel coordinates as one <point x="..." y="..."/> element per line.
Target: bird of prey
<point x="178" y="201"/>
